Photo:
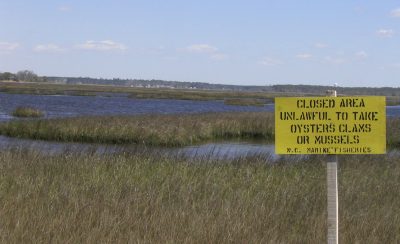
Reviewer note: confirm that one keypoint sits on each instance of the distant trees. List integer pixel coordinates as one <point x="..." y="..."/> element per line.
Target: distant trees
<point x="23" y="75"/>
<point x="8" y="76"/>
<point x="27" y="75"/>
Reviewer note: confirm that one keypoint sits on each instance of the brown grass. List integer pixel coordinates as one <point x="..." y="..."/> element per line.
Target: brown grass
<point x="154" y="199"/>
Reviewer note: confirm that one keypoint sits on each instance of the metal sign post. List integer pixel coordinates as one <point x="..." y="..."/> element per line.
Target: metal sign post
<point x="333" y="202"/>
<point x="332" y="193"/>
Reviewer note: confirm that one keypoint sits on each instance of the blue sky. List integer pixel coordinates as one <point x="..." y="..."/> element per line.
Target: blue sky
<point x="352" y="43"/>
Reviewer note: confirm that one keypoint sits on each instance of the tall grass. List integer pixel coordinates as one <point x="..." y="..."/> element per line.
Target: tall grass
<point x="158" y="130"/>
<point x="25" y="112"/>
<point x="245" y="102"/>
<point x="161" y="130"/>
<point x="154" y="199"/>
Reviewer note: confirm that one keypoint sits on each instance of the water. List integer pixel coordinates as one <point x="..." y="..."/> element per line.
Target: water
<point x="208" y="151"/>
<point x="68" y="106"/>
<point x="119" y="104"/>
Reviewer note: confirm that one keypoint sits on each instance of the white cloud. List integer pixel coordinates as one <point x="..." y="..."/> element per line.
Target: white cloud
<point x="334" y="60"/>
<point x="219" y="56"/>
<point x="268" y="61"/>
<point x="64" y="8"/>
<point x="106" y="45"/>
<point x="395" y="13"/>
<point x="201" y="48"/>
<point x="211" y="51"/>
<point x="385" y="33"/>
<point x="8" y="46"/>
<point x="320" y="45"/>
<point x="304" y="56"/>
<point x="361" y="55"/>
<point x="48" y="48"/>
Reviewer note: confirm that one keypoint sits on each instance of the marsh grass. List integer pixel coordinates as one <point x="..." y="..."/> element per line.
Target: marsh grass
<point x="154" y="130"/>
<point x="27" y="112"/>
<point x="162" y="130"/>
<point x="392" y="100"/>
<point x="133" y="92"/>
<point x="245" y="102"/>
<point x="146" y="198"/>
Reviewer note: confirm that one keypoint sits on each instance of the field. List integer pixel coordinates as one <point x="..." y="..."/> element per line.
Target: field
<point x="155" y="199"/>
<point x="146" y="196"/>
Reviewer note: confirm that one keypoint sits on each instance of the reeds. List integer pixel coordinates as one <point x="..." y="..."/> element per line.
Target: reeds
<point x="26" y="112"/>
<point x="245" y="102"/>
<point x="145" y="198"/>
<point x="154" y="130"/>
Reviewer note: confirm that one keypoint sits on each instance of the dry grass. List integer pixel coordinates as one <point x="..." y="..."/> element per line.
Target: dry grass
<point x="153" y="199"/>
<point x="156" y="130"/>
<point x="246" y="102"/>
<point x="25" y="112"/>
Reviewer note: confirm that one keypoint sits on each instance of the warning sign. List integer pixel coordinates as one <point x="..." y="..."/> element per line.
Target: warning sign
<point x="330" y="125"/>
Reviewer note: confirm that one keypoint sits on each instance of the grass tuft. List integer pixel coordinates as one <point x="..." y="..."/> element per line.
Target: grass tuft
<point x="27" y="112"/>
<point x="154" y="130"/>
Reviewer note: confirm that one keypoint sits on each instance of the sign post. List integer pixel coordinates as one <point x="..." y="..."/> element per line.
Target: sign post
<point x="332" y="193"/>
<point x="330" y="125"/>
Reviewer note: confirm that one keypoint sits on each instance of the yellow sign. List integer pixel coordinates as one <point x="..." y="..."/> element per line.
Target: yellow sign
<point x="330" y="125"/>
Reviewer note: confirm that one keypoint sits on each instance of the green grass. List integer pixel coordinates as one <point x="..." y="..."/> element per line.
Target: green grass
<point x="133" y="92"/>
<point x="392" y="100"/>
<point x="245" y="102"/>
<point x="27" y="112"/>
<point x="161" y="130"/>
<point x="144" y="198"/>
<point x="155" y="130"/>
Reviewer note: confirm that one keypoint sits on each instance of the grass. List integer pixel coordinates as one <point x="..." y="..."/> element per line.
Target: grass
<point x="27" y="112"/>
<point x="245" y="102"/>
<point x="154" y="130"/>
<point x="392" y="100"/>
<point x="161" y="130"/>
<point x="133" y="92"/>
<point x="146" y="198"/>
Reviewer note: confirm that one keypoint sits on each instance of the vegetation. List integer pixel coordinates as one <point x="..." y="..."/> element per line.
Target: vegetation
<point x="155" y="199"/>
<point x="155" y="130"/>
<point x="27" y="112"/>
<point x="23" y="75"/>
<point x="245" y="102"/>
<point x="232" y="93"/>
<point x="393" y="100"/>
<point x="160" y="130"/>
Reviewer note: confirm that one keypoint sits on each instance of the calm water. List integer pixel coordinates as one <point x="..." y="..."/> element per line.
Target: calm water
<point x="67" y="106"/>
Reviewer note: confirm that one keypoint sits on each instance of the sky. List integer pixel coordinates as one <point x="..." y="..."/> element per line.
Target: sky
<point x="252" y="42"/>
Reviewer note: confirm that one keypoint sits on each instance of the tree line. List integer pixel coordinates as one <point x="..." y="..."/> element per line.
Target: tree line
<point x="23" y="75"/>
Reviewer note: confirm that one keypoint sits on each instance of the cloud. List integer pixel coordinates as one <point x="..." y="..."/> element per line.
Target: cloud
<point x="304" y="56"/>
<point x="268" y="61"/>
<point x="361" y="55"/>
<point x="385" y="33"/>
<point x="207" y="49"/>
<point x="8" y="46"/>
<point x="48" y="48"/>
<point x="201" y="48"/>
<point x="106" y="45"/>
<point x="334" y="60"/>
<point x="395" y="13"/>
<point x="320" y="45"/>
<point x="64" y="8"/>
<point x="219" y="56"/>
